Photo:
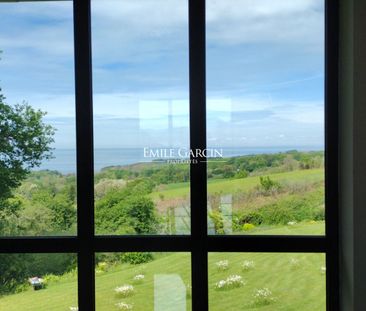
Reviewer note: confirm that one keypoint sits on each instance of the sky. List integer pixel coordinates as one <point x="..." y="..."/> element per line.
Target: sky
<point x="265" y="71"/>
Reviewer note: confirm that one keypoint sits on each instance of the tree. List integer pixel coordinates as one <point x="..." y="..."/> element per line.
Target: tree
<point x="24" y="142"/>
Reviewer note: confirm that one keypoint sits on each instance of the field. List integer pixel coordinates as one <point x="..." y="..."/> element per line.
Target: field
<point x="232" y="185"/>
<point x="296" y="281"/>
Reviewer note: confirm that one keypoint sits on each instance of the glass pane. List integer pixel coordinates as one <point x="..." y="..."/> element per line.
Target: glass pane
<point x="38" y="282"/>
<point x="141" y="116"/>
<point x="37" y="123"/>
<point x="265" y="113"/>
<point x="143" y="281"/>
<point x="266" y="281"/>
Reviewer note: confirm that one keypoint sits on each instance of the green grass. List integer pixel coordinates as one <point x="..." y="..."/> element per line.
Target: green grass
<point x="226" y="186"/>
<point x="58" y="296"/>
<point x="303" y="228"/>
<point x="301" y="288"/>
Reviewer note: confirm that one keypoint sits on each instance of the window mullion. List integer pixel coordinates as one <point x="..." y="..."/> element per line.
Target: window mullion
<point x="198" y="166"/>
<point x="85" y="169"/>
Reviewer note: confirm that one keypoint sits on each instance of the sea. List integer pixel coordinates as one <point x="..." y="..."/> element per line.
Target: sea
<point x="64" y="160"/>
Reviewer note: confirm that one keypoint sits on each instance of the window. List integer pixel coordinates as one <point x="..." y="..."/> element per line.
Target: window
<point x="201" y="255"/>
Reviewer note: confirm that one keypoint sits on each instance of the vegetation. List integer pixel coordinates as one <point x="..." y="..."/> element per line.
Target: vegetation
<point x="24" y="142"/>
<point x="292" y="288"/>
<point x="264" y="194"/>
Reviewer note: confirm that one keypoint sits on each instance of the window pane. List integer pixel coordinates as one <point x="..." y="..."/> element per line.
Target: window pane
<point x="265" y="114"/>
<point x="143" y="281"/>
<point x="266" y="281"/>
<point x="37" y="150"/>
<point x="141" y="116"/>
<point x="38" y="282"/>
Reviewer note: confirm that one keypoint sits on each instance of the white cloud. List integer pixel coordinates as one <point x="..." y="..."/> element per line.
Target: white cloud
<point x="283" y="21"/>
<point x="141" y="37"/>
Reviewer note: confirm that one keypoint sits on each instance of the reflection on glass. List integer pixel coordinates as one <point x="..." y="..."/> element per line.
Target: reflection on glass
<point x="37" y="123"/>
<point x="143" y="281"/>
<point x="34" y="282"/>
<point x="141" y="117"/>
<point x="265" y="110"/>
<point x="266" y="281"/>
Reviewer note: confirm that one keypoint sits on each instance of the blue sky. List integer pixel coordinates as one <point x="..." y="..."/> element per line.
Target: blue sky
<point x="264" y="70"/>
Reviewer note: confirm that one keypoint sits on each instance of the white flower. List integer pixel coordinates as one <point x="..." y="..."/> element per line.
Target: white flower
<point x="124" y="290"/>
<point x="124" y="306"/>
<point x="138" y="277"/>
<point x="263" y="296"/>
<point x="74" y="308"/>
<point x="291" y="223"/>
<point x="222" y="265"/>
<point x="220" y="284"/>
<point x="247" y="265"/>
<point x="323" y="270"/>
<point x="232" y="281"/>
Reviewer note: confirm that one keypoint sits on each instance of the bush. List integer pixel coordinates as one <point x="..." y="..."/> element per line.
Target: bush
<point x="218" y="221"/>
<point x="267" y="184"/>
<point x="248" y="227"/>
<point x="126" y="211"/>
<point x="140" y="213"/>
<point x="232" y="281"/>
<point x="241" y="174"/>
<point x="136" y="258"/>
<point x="252" y="217"/>
<point x="298" y="208"/>
<point x="263" y="297"/>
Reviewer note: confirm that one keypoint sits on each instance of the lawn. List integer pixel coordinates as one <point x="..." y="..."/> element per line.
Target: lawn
<point x="226" y="186"/>
<point x="295" y="280"/>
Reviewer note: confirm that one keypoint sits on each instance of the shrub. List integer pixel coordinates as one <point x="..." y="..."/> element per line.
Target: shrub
<point x="232" y="281"/>
<point x="263" y="297"/>
<point x="241" y="174"/>
<point x="267" y="184"/>
<point x="136" y="258"/>
<point x="101" y="267"/>
<point x="319" y="213"/>
<point x="138" y="278"/>
<point x="140" y="212"/>
<point x="252" y="217"/>
<point x="248" y="227"/>
<point x="126" y="212"/>
<point x="125" y="290"/>
<point x="51" y="278"/>
<point x="247" y="265"/>
<point x="218" y="221"/>
<point x="222" y="265"/>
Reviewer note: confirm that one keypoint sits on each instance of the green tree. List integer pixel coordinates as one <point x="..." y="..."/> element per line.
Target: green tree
<point x="24" y="142"/>
<point x="140" y="212"/>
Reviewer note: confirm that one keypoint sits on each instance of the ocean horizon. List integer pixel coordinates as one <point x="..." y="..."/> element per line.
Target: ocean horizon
<point x="64" y="160"/>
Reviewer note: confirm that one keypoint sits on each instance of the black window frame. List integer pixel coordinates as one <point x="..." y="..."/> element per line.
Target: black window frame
<point x="199" y="243"/>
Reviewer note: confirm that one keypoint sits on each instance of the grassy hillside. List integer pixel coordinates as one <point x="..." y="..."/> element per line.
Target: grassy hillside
<point x="225" y="186"/>
<point x="295" y="280"/>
